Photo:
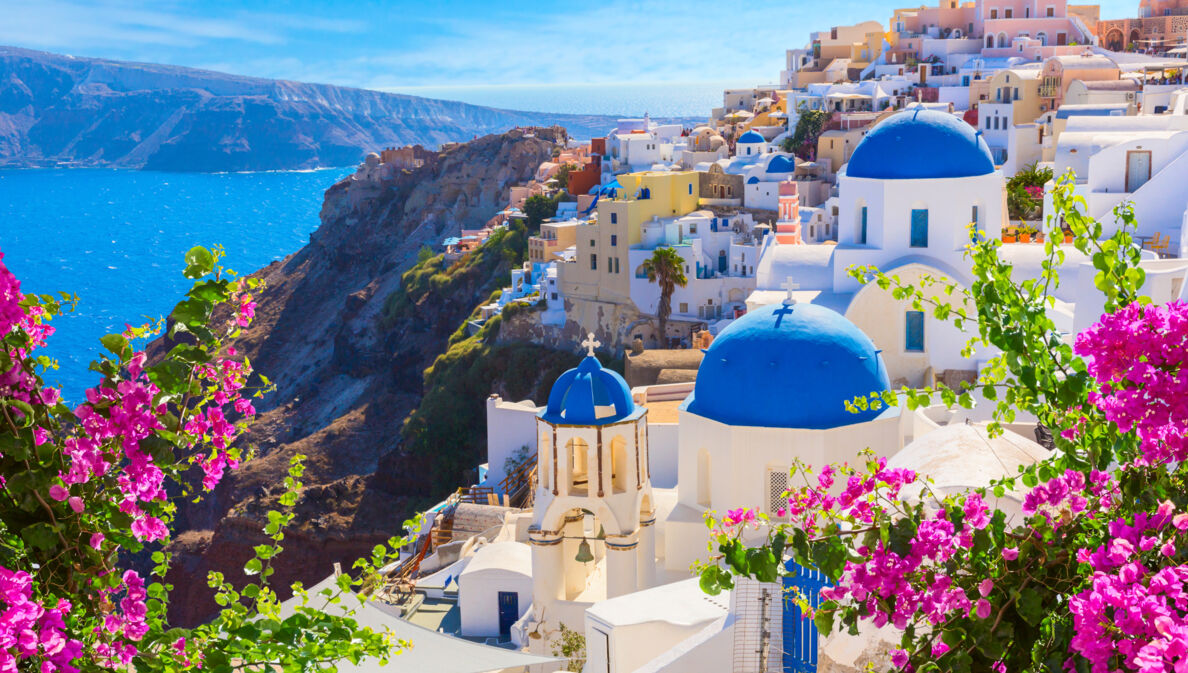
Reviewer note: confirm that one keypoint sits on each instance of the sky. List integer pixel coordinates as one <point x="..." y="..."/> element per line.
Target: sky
<point x="407" y="46"/>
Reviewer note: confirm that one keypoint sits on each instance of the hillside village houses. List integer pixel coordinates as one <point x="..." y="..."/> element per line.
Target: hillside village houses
<point x="589" y="508"/>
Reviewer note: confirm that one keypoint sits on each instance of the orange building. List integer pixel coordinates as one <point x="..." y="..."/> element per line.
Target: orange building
<point x="1160" y="26"/>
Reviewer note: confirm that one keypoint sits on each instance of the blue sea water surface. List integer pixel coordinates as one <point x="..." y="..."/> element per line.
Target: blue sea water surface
<point x="116" y="239"/>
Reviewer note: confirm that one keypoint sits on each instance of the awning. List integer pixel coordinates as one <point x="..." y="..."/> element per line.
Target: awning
<point x="430" y="651"/>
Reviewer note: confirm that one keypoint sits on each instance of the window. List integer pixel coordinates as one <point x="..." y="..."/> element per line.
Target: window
<point x="616" y="265"/>
<point x="1051" y="11"/>
<point x="993" y="13"/>
<point x="973" y="217"/>
<point x="914" y="333"/>
<point x="1006" y="13"/>
<point x="919" y="228"/>
<point x="862" y="230"/>
<point x="614" y="240"/>
<point x="593" y="243"/>
<point x="1026" y="12"/>
<point x="690" y="187"/>
<point x="1016" y="93"/>
<point x="684" y="307"/>
<point x="593" y="262"/>
<point x="614" y="218"/>
<point x="777" y="486"/>
<point x="554" y="296"/>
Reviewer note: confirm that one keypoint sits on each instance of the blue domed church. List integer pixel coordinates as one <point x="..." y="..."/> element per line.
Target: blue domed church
<point x="907" y="199"/>
<point x="775" y="387"/>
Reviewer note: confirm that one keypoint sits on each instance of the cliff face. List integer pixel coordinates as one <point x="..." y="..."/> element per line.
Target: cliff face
<point x="62" y="110"/>
<point x="348" y="370"/>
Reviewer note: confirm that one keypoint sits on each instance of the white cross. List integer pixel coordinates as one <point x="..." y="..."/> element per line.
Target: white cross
<point x="590" y="344"/>
<point x="790" y="285"/>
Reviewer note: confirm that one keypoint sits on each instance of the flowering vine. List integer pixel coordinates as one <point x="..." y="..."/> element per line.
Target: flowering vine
<point x="83" y="487"/>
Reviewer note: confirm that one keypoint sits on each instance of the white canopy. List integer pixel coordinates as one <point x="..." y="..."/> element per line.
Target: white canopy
<point x="430" y="651"/>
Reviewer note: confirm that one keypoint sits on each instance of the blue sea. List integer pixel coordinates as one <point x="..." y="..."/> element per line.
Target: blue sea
<point x="116" y="239"/>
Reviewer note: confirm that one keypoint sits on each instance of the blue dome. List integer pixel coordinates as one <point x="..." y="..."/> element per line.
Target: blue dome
<point x="589" y="395"/>
<point x="788" y="367"/>
<point x="752" y="180"/>
<point x="751" y="137"/>
<point x="920" y="143"/>
<point x="781" y="164"/>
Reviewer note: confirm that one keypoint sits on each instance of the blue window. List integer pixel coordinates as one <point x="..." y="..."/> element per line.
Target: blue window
<point x="593" y="262"/>
<point x="919" y="228"/>
<point x="614" y="240"/>
<point x="914" y="334"/>
<point x="862" y="231"/>
<point x="614" y="218"/>
<point x="690" y="187"/>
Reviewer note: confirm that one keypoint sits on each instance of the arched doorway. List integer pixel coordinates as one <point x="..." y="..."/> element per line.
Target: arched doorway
<point x="1135" y="38"/>
<point x="1113" y="40"/>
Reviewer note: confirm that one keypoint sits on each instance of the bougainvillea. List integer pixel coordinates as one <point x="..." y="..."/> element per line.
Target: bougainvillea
<point x="1093" y="576"/>
<point x="84" y="487"/>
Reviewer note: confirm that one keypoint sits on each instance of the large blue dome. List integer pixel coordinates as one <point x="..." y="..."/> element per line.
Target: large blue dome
<point x="781" y="164"/>
<point x="788" y="366"/>
<point x="589" y="395"/>
<point x="751" y="137"/>
<point x="920" y="143"/>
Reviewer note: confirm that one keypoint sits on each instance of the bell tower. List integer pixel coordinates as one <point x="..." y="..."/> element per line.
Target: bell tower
<point x="593" y="522"/>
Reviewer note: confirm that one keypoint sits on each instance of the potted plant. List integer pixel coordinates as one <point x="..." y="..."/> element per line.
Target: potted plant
<point x="1068" y="237"/>
<point x="1024" y="235"/>
<point x="1008" y="236"/>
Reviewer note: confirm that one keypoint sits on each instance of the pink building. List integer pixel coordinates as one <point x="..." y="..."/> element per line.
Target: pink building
<point x="1048" y="22"/>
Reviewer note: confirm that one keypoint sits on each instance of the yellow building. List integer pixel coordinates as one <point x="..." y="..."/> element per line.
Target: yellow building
<point x="554" y="237"/>
<point x="1020" y="88"/>
<point x="600" y="271"/>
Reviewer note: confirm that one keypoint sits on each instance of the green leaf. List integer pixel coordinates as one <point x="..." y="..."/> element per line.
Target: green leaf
<point x="41" y="535"/>
<point x="199" y="262"/>
<point x="823" y="619"/>
<point x="116" y="343"/>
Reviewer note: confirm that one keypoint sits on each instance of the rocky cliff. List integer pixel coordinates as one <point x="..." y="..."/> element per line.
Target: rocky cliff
<point x="347" y="333"/>
<point x="62" y="110"/>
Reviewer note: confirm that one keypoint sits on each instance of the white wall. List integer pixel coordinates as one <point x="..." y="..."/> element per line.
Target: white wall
<point x="478" y="599"/>
<point x="510" y="426"/>
<point x="890" y="203"/>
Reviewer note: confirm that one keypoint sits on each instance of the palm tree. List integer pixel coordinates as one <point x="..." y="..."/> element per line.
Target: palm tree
<point x="666" y="268"/>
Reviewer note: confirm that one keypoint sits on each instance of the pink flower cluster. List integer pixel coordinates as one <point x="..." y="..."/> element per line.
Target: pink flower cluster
<point x="1139" y="354"/>
<point x="125" y="626"/>
<point x="854" y="501"/>
<point x="245" y="309"/>
<point x="11" y="312"/>
<point x="226" y="378"/>
<point x="1134" y="609"/>
<point x="31" y="632"/>
<point x="122" y="416"/>
<point x="1067" y="494"/>
<point x="896" y="587"/>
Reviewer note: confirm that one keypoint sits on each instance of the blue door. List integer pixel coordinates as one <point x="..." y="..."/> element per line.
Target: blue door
<point x="800" y="632"/>
<point x="509" y="611"/>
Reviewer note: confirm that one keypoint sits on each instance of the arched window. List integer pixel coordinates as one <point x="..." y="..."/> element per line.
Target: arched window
<point x="619" y="468"/>
<point x="579" y="466"/>
<point x="1002" y="40"/>
<point x="989" y="41"/>
<point x="544" y="461"/>
<point x="1042" y="37"/>
<point x="703" y="478"/>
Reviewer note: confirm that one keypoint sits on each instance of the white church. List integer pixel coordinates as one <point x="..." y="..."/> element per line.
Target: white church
<point x="624" y="477"/>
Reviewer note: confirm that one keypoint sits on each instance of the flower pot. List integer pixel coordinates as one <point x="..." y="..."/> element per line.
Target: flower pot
<point x="1039" y="238"/>
<point x="1008" y="238"/>
<point x="1068" y="238"/>
<point x="1024" y="238"/>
